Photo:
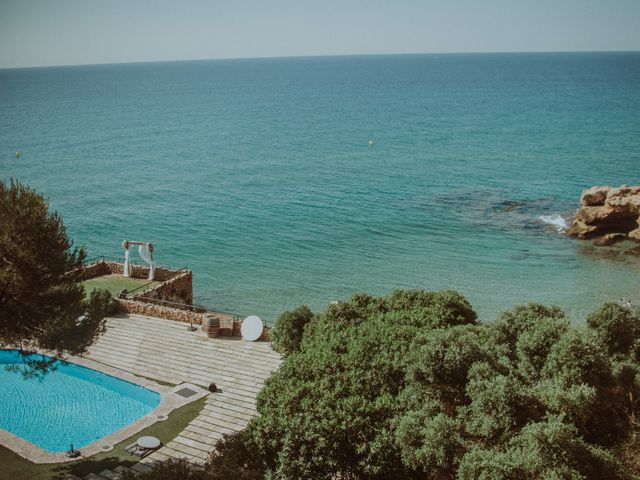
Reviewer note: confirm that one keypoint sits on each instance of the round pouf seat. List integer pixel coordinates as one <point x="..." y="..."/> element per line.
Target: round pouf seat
<point x="150" y="443"/>
<point x="211" y="325"/>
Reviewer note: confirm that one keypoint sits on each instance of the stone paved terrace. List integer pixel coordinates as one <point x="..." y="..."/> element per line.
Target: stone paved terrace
<point x="166" y="350"/>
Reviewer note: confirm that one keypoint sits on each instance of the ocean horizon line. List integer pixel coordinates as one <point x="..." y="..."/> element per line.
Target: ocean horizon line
<point x="320" y="56"/>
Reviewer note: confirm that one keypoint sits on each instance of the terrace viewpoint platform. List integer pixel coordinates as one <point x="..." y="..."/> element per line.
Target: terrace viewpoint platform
<point x="165" y="350"/>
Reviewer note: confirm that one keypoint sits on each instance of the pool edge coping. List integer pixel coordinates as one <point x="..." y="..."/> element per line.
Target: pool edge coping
<point x="169" y="401"/>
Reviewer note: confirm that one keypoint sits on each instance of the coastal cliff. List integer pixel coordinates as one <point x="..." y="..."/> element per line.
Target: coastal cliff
<point x="609" y="213"/>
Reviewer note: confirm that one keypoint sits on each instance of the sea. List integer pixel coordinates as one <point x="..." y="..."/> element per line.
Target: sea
<point x="290" y="181"/>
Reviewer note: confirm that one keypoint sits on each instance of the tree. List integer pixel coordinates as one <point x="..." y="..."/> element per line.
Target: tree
<point x="549" y="449"/>
<point x="331" y="409"/>
<point x="43" y="305"/>
<point x="411" y="386"/>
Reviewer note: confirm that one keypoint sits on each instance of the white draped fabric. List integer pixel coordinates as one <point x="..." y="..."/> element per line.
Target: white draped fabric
<point x="145" y="254"/>
<point x="127" y="263"/>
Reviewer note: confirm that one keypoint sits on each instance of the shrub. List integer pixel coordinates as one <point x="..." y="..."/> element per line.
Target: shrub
<point x="234" y="458"/>
<point x="286" y="334"/>
<point x="617" y="326"/>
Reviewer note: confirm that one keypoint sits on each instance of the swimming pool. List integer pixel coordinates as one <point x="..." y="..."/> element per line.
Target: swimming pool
<point x="71" y="405"/>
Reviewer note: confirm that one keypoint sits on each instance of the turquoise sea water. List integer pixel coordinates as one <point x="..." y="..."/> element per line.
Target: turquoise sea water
<point x="259" y="175"/>
<point x="72" y="404"/>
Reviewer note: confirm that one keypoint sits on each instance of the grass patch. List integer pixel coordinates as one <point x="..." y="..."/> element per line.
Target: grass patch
<point x="14" y="467"/>
<point x="115" y="284"/>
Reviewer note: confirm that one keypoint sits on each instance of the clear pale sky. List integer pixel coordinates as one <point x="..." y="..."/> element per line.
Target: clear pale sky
<point x="67" y="32"/>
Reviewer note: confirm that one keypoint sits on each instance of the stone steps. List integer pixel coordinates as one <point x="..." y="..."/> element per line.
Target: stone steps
<point x="139" y="357"/>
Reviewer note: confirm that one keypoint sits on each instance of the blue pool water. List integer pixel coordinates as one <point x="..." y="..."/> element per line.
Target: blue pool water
<point x="73" y="404"/>
<point x="258" y="174"/>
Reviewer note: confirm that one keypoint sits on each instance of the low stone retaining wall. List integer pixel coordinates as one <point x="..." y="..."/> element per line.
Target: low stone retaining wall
<point x="93" y="270"/>
<point x="108" y="267"/>
<point x="229" y="325"/>
<point x="160" y="311"/>
<point x="178" y="289"/>
<point x="141" y="271"/>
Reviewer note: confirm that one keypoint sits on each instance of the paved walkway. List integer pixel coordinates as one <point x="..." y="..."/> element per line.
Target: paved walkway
<point x="165" y="350"/>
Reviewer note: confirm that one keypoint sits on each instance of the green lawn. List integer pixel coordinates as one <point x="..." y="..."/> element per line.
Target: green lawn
<point x="14" y="467"/>
<point x="115" y="284"/>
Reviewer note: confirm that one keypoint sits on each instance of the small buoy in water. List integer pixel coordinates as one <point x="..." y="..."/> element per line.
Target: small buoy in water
<point x="18" y="153"/>
<point x="370" y="142"/>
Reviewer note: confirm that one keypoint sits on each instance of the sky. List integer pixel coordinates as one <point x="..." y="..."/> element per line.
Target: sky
<point x="71" y="32"/>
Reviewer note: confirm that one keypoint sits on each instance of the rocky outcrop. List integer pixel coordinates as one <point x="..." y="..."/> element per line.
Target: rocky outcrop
<point x="609" y="239"/>
<point x="594" y="196"/>
<point x="611" y="214"/>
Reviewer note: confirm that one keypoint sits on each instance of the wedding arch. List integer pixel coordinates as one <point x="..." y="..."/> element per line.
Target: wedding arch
<point x="145" y="250"/>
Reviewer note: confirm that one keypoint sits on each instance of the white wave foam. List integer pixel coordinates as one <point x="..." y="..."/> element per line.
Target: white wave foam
<point x="556" y="221"/>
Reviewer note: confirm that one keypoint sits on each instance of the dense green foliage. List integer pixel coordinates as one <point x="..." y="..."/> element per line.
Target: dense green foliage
<point x="412" y="386"/>
<point x="43" y="304"/>
<point x="286" y="334"/>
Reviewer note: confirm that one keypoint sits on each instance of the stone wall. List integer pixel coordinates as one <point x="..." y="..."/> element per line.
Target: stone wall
<point x="159" y="311"/>
<point x="178" y="289"/>
<point x="141" y="271"/>
<point x="229" y="325"/>
<point x="108" y="267"/>
<point x="93" y="270"/>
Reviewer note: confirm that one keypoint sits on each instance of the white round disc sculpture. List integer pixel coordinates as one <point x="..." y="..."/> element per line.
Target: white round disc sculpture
<point x="251" y="328"/>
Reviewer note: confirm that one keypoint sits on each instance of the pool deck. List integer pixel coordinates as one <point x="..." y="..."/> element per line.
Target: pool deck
<point x="169" y="400"/>
<point x="165" y="350"/>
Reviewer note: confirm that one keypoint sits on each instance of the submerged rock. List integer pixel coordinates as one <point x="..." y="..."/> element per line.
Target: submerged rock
<point x="608" y="212"/>
<point x="635" y="235"/>
<point x="609" y="239"/>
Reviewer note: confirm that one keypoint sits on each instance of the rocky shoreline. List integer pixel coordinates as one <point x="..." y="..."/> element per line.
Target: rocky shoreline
<point x="608" y="215"/>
